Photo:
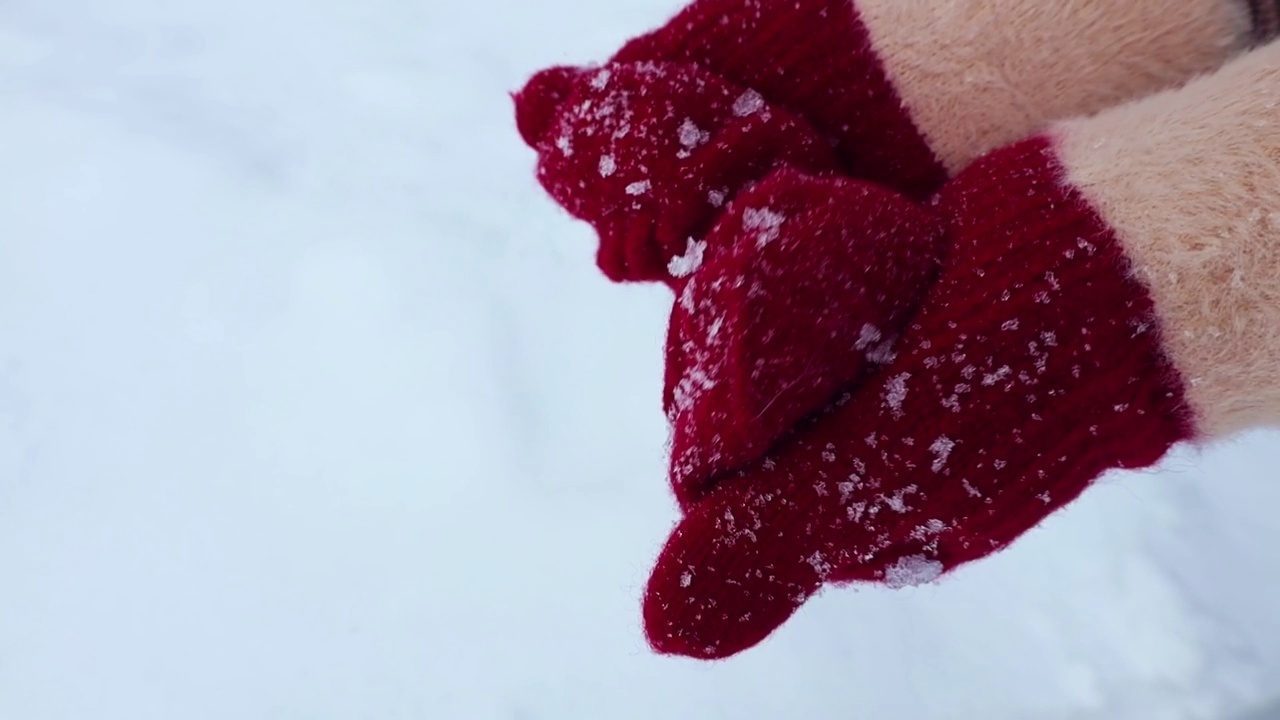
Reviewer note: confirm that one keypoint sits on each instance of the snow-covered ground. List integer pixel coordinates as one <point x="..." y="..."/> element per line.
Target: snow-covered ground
<point x="312" y="406"/>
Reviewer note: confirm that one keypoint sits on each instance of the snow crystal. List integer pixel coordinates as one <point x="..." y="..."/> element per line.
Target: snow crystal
<point x="601" y="79"/>
<point x="933" y="527"/>
<point x="684" y="265"/>
<point x="716" y="197"/>
<point x="897" y="502"/>
<point x="896" y="393"/>
<point x="846" y="488"/>
<point x="992" y="378"/>
<point x="714" y="330"/>
<point x="691" y="136"/>
<point x="748" y="103"/>
<point x="867" y="335"/>
<point x="638" y="188"/>
<point x="686" y="579"/>
<point x="687" y="296"/>
<point x="820" y="564"/>
<point x="911" y="571"/>
<point x="692" y="385"/>
<point x="929" y="529"/>
<point x="941" y="448"/>
<point x="565" y="144"/>
<point x="607" y="165"/>
<point x="767" y="222"/>
<point x="1009" y="325"/>
<point x="882" y="354"/>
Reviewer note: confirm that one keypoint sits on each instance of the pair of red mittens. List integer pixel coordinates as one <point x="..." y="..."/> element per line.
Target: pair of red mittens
<point x="865" y="386"/>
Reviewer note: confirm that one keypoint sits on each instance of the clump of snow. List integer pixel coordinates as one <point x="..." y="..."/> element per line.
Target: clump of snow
<point x="748" y="103"/>
<point x="820" y="565"/>
<point x="1001" y="373"/>
<point x="607" y="165"/>
<point x="638" y="188"/>
<point x="691" y="136"/>
<point x="847" y="487"/>
<point x="897" y="502"/>
<point x="932" y="527"/>
<point x="684" y="265"/>
<point x="941" y="448"/>
<point x="912" y="571"/>
<point x="882" y="354"/>
<point x="691" y="386"/>
<point x="866" y="336"/>
<point x="716" y="197"/>
<point x="765" y="222"/>
<point x="896" y="393"/>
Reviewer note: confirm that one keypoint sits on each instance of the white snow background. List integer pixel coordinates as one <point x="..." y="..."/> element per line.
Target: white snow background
<point x="312" y="406"/>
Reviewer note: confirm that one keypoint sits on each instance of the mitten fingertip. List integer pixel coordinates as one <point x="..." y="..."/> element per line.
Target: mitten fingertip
<point x="537" y="103"/>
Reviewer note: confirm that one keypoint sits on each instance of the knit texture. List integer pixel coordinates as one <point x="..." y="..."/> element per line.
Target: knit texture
<point x="817" y="281"/>
<point x="649" y="153"/>
<point x="816" y="59"/>
<point x="1034" y="365"/>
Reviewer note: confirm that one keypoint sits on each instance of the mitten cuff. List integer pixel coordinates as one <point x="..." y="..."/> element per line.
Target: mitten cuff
<point x="1190" y="181"/>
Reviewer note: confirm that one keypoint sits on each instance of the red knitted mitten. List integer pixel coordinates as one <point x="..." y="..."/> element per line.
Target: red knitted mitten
<point x="643" y="121"/>
<point x="648" y="153"/>
<point x="1033" y="365"/>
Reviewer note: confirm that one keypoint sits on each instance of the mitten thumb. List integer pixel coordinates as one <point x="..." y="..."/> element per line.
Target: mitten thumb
<point x="732" y="571"/>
